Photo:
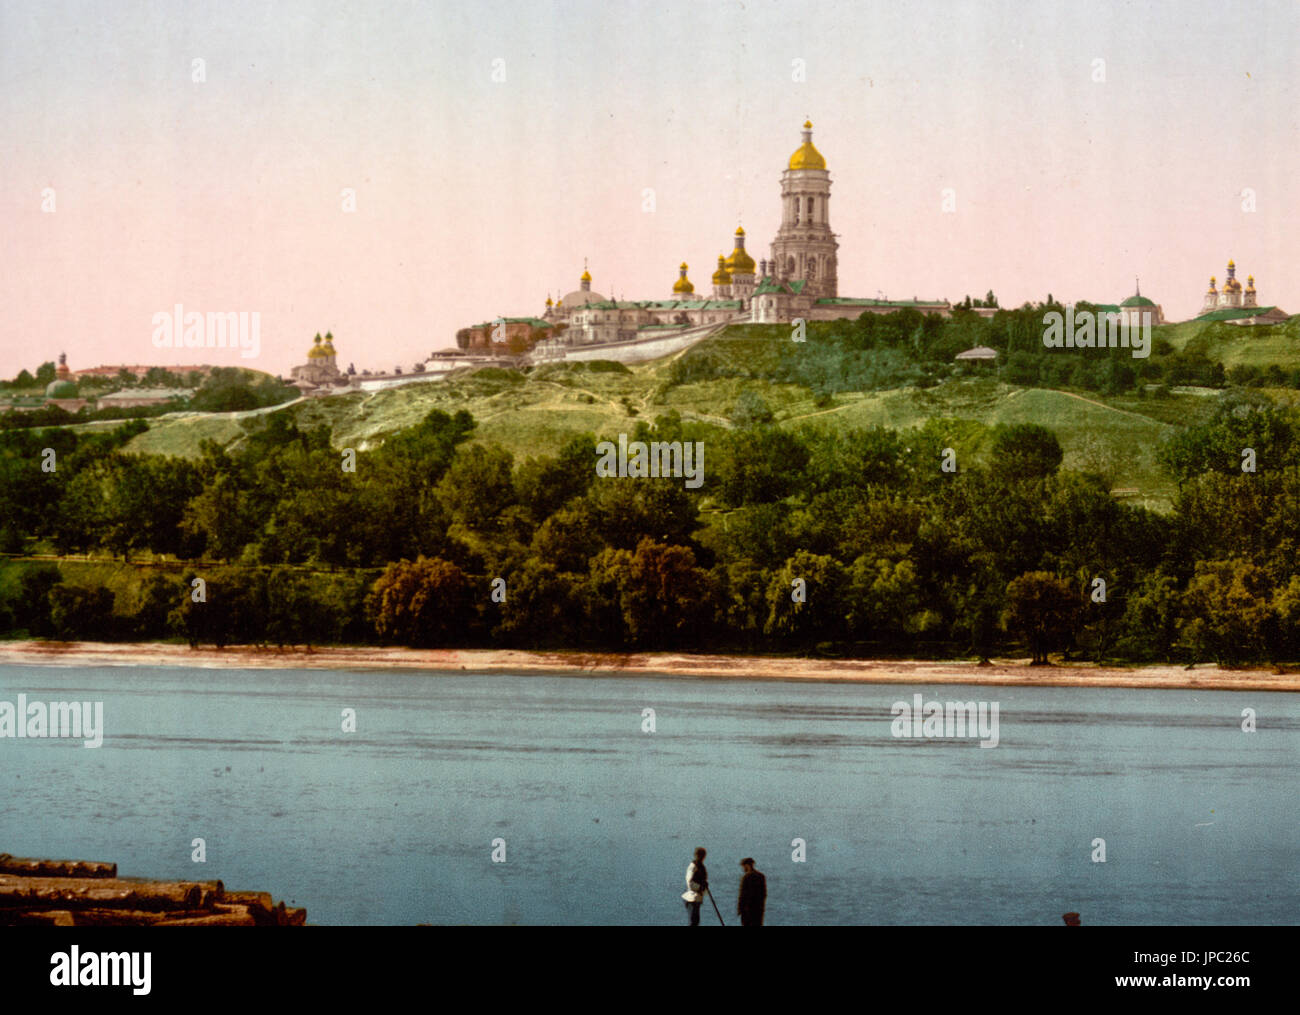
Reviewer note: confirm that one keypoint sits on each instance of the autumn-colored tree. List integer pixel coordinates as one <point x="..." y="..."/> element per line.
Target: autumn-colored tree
<point x="1042" y="609"/>
<point x="425" y="603"/>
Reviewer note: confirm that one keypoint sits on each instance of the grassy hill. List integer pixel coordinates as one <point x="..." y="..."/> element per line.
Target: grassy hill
<point x="1232" y="345"/>
<point x="535" y="411"/>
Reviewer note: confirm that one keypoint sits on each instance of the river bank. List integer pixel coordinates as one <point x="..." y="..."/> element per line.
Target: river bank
<point x="1015" y="672"/>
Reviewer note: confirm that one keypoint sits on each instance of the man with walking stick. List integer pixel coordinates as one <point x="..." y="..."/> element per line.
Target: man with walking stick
<point x="697" y="884"/>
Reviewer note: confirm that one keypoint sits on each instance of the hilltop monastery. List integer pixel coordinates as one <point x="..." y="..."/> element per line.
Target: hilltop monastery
<point x="799" y="278"/>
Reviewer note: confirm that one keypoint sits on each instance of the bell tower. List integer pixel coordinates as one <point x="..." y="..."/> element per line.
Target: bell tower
<point x="805" y="247"/>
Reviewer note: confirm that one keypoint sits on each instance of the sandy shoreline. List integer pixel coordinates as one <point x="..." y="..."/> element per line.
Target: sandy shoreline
<point x="890" y="671"/>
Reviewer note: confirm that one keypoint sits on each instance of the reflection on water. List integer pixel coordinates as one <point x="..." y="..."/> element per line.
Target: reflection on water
<point x="394" y="823"/>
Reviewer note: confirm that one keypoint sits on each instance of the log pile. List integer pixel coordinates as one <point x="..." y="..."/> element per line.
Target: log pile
<point x="76" y="893"/>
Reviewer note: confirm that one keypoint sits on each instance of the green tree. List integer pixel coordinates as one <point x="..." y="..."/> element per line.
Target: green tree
<point x="1043" y="610"/>
<point x="1025" y="451"/>
<point x="32" y="607"/>
<point x="1228" y="612"/>
<point x="478" y="487"/>
<point x="80" y="614"/>
<point x="806" y="600"/>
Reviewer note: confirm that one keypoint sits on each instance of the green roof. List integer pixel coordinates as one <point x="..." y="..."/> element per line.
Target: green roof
<point x="536" y="322"/>
<point x="60" y="389"/>
<point x="771" y="285"/>
<point x="1137" y="301"/>
<point x="853" y="301"/>
<point x="1234" y="313"/>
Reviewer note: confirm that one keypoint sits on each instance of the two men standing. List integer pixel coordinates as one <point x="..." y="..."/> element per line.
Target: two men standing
<point x="753" y="891"/>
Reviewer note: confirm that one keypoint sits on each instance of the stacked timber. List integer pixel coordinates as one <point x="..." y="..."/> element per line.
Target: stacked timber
<point x="78" y="893"/>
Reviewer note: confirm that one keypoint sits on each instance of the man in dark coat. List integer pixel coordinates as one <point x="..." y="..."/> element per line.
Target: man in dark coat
<point x="753" y="895"/>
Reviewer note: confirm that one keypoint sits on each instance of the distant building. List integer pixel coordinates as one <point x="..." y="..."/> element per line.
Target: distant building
<point x="62" y="391"/>
<point x="1235" y="305"/>
<point x="320" y="370"/>
<point x="1133" y="310"/>
<point x="137" y="398"/>
<point x="507" y="335"/>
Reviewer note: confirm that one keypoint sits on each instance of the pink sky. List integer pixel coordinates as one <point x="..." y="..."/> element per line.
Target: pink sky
<point x="476" y="197"/>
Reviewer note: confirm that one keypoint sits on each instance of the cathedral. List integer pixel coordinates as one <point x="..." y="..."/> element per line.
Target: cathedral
<point x="1235" y="305"/>
<point x="798" y="279"/>
<point x="320" y="369"/>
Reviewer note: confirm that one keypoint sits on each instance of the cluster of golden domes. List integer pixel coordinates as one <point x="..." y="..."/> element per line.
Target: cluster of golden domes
<point x="322" y="350"/>
<point x="1231" y="285"/>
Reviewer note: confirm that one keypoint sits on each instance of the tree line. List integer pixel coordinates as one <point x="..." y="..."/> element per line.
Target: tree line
<point x="809" y="540"/>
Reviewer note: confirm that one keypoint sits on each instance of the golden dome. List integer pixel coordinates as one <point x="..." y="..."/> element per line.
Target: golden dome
<point x="316" y="352"/>
<point x="806" y="156"/>
<point x="740" y="263"/>
<point x="1212" y="281"/>
<point x="683" y="284"/>
<point x="586" y="277"/>
<point x="1232" y="264"/>
<point x="548" y="302"/>
<point x="1250" y="283"/>
<point x="720" y="277"/>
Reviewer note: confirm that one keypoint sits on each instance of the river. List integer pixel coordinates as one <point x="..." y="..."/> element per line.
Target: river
<point x="395" y="823"/>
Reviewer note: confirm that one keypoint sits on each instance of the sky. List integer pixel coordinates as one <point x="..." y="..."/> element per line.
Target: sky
<point x="491" y="146"/>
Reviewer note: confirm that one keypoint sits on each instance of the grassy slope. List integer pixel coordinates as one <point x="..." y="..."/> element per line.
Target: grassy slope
<point x="534" y="414"/>
<point x="1236" y="346"/>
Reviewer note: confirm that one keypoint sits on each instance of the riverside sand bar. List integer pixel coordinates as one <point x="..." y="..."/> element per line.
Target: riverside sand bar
<point x="868" y="671"/>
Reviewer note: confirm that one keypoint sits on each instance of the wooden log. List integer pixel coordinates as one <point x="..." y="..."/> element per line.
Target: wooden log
<point x="223" y="916"/>
<point x="106" y="893"/>
<point x="259" y="904"/>
<point x="42" y="918"/>
<point x="27" y="867"/>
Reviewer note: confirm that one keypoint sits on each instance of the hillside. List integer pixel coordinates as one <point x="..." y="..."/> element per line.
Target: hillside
<point x="535" y="411"/>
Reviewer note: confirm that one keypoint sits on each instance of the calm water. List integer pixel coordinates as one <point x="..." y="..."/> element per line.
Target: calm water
<point x="394" y="824"/>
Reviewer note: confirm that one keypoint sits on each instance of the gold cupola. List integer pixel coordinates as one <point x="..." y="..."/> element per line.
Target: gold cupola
<point x="683" y="284"/>
<point x="740" y="263"/>
<point x="316" y="352"/>
<point x="806" y="156"/>
<point x="721" y="276"/>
